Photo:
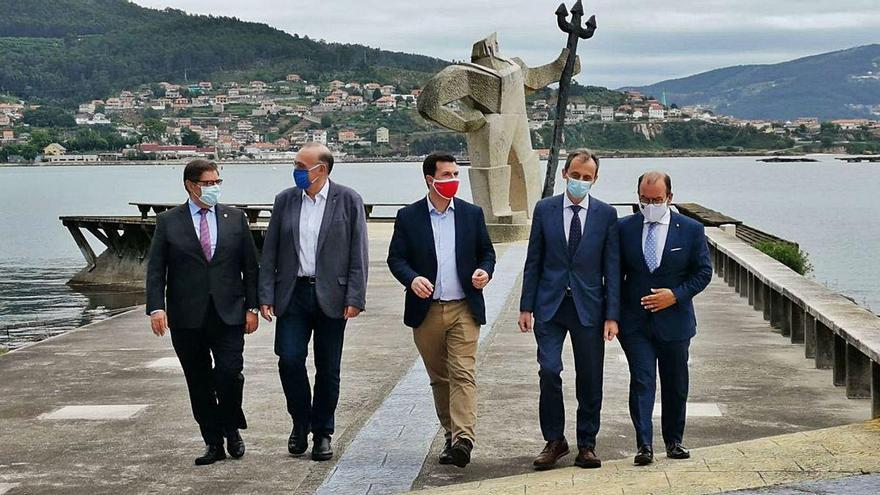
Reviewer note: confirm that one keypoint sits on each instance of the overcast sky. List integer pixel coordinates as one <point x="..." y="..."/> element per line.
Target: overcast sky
<point x="637" y="42"/>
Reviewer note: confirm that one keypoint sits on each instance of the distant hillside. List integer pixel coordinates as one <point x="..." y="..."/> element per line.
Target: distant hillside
<point x="843" y="84"/>
<point x="69" y="50"/>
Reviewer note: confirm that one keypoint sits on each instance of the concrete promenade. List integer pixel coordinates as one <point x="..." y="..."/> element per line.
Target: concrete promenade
<point x="104" y="409"/>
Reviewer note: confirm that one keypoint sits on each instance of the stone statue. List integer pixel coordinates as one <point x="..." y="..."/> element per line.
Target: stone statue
<point x="486" y="100"/>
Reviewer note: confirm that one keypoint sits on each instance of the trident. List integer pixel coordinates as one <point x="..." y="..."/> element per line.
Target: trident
<point x="575" y="32"/>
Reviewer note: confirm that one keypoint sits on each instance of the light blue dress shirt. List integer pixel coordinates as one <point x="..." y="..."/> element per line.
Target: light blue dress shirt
<point x="448" y="286"/>
<point x="194" y="210"/>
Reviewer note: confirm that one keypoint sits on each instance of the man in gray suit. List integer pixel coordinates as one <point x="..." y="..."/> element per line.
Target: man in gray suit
<point x="313" y="277"/>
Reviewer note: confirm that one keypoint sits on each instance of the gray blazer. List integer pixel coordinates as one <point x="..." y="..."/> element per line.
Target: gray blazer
<point x="341" y="260"/>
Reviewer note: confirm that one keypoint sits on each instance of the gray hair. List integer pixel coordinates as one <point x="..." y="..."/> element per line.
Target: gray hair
<point x="324" y="153"/>
<point x="581" y="153"/>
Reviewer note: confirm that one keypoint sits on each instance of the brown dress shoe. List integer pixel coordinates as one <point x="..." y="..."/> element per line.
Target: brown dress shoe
<point x="587" y="458"/>
<point x="552" y="452"/>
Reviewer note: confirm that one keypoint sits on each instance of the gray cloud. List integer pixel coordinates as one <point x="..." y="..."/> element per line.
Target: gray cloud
<point x="638" y="41"/>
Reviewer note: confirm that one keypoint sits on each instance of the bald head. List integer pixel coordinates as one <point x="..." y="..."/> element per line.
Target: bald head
<point x="313" y="153"/>
<point x="655" y="187"/>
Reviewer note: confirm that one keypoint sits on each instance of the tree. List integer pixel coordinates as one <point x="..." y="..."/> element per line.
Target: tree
<point x="188" y="137"/>
<point x="377" y="93"/>
<point x="154" y="129"/>
<point x="48" y="117"/>
<point x="326" y="121"/>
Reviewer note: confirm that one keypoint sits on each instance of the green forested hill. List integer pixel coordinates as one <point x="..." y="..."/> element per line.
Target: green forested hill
<point x="71" y="50"/>
<point x="832" y="85"/>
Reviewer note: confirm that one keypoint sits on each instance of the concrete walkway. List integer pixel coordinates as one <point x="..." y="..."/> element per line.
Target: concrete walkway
<point x="104" y="409"/>
<point x="825" y="454"/>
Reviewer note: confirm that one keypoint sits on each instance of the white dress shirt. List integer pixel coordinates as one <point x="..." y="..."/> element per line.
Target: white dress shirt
<point x="448" y="286"/>
<point x="310" y="217"/>
<point x="211" y="216"/>
<point x="661" y="230"/>
<point x="568" y="214"/>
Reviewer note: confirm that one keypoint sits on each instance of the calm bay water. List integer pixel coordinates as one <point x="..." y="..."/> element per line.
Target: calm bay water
<point x="828" y="207"/>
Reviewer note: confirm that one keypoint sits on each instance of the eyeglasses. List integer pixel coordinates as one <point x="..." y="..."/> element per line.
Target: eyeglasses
<point x="209" y="183"/>
<point x="656" y="201"/>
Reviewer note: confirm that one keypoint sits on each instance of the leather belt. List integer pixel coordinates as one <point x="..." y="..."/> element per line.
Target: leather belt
<point x="439" y="301"/>
<point x="307" y="280"/>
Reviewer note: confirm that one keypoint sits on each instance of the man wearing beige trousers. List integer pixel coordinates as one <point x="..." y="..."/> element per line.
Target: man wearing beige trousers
<point x="442" y="254"/>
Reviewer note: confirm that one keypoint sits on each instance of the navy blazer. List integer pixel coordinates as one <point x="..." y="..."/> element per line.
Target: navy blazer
<point x="593" y="274"/>
<point x="412" y="254"/>
<point x="685" y="268"/>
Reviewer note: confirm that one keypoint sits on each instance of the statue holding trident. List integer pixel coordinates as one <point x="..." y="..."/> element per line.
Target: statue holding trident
<point x="485" y="99"/>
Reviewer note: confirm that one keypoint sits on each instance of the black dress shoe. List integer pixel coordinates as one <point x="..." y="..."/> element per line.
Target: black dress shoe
<point x="213" y="453"/>
<point x="446" y="453"/>
<point x="321" y="450"/>
<point x="298" y="442"/>
<point x="234" y="444"/>
<point x="645" y="456"/>
<point x="677" y="451"/>
<point x="461" y="452"/>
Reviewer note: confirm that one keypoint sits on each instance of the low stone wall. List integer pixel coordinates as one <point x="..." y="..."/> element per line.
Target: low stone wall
<point x="836" y="332"/>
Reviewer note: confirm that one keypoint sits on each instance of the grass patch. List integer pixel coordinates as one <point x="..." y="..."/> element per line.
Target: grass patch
<point x="789" y="255"/>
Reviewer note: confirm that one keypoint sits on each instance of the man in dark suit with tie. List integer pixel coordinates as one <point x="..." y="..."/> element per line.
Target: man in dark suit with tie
<point x="313" y="277"/>
<point x="202" y="283"/>
<point x="571" y="286"/>
<point x="442" y="254"/>
<point x="665" y="263"/>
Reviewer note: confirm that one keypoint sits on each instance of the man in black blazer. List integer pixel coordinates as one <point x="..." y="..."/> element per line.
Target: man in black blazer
<point x="202" y="283"/>
<point x="442" y="254"/>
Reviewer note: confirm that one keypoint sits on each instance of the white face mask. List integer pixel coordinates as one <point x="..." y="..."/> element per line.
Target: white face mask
<point x="654" y="213"/>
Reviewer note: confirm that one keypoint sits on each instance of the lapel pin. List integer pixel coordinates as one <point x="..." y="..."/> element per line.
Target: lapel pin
<point x="225" y="215"/>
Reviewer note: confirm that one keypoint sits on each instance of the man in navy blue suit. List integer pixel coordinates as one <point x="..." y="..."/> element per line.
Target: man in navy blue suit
<point x="442" y="254"/>
<point x="571" y="285"/>
<point x="665" y="263"/>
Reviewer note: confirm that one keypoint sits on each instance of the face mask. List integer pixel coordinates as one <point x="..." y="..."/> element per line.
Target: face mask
<point x="446" y="188"/>
<point x="301" y="177"/>
<point x="654" y="213"/>
<point x="578" y="189"/>
<point x="210" y="195"/>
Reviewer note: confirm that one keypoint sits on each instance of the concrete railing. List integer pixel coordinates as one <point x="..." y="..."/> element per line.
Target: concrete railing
<point x="836" y="332"/>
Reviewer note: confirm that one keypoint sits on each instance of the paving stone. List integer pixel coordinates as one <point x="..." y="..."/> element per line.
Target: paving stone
<point x="95" y="412"/>
<point x="165" y="363"/>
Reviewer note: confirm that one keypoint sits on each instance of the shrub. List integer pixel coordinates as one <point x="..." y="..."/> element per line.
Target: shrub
<point x="788" y="254"/>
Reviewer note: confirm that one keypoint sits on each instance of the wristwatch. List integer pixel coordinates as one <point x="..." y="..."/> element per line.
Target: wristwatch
<point x="254" y="311"/>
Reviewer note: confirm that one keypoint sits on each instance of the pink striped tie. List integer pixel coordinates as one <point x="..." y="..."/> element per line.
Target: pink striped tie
<point x="205" y="233"/>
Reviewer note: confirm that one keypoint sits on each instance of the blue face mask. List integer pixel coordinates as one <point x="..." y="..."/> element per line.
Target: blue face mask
<point x="301" y="177"/>
<point x="210" y="195"/>
<point x="578" y="189"/>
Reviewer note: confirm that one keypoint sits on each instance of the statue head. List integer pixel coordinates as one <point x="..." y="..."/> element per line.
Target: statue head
<point x="485" y="48"/>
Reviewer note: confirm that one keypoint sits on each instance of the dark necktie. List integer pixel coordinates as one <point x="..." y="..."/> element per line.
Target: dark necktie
<point x="575" y="232"/>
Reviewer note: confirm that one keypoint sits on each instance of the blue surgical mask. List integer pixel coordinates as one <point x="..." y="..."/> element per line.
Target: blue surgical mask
<point x="210" y="195"/>
<point x="578" y="189"/>
<point x="301" y="177"/>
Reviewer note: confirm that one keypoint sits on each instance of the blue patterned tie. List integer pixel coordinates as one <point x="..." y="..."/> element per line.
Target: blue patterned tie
<point x="575" y="231"/>
<point x="651" y="247"/>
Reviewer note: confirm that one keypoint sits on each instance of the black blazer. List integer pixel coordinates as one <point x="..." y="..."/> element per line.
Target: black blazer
<point x="181" y="281"/>
<point x="411" y="254"/>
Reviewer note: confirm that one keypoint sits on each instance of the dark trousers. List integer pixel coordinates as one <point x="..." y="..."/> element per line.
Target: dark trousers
<point x="589" y="354"/>
<point x="645" y="355"/>
<point x="292" y="335"/>
<point x="215" y="392"/>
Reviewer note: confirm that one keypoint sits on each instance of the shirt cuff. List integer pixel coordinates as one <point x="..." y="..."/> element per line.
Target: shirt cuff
<point x="156" y="311"/>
